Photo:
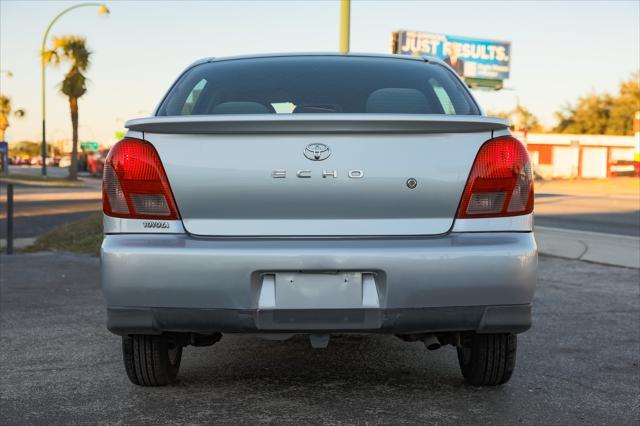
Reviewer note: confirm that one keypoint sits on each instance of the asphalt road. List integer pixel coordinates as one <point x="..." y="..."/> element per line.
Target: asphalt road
<point x="587" y="213"/>
<point x="52" y="171"/>
<point x="611" y="207"/>
<point x="608" y="223"/>
<point x="579" y="364"/>
<point x="37" y="210"/>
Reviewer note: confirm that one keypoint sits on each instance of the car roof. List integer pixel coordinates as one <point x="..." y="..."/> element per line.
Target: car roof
<point x="318" y="54"/>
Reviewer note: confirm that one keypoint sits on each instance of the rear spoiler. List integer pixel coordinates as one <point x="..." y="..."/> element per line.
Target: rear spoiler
<point x="317" y="123"/>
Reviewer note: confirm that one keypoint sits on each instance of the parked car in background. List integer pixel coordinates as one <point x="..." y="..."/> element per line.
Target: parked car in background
<point x="19" y="160"/>
<point x="95" y="162"/>
<point x="380" y="200"/>
<point x="37" y="161"/>
<point x="65" y="161"/>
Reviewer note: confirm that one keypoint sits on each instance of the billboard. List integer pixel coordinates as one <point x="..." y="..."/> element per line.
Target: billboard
<point x="470" y="57"/>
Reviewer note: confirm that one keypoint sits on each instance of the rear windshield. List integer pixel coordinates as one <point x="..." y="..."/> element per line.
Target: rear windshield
<point x="318" y="84"/>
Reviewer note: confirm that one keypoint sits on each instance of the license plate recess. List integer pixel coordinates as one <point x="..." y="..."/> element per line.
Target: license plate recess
<point x="295" y="290"/>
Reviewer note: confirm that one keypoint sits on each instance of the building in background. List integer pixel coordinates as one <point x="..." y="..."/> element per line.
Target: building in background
<point x="556" y="155"/>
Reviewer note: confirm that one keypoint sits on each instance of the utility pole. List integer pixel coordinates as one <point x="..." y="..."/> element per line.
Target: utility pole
<point x="345" y="25"/>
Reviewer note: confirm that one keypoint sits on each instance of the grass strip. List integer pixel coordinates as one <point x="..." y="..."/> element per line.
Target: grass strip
<point x="81" y="236"/>
<point x="37" y="180"/>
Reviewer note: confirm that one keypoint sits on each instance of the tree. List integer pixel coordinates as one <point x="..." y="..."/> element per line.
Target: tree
<point x="589" y="116"/>
<point x="71" y="49"/>
<point x="521" y="118"/>
<point x="602" y="114"/>
<point x="5" y="110"/>
<point x="30" y="149"/>
<point x="626" y="105"/>
<point x="500" y="114"/>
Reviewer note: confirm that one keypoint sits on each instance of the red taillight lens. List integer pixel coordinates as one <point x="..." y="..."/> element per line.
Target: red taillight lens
<point x="501" y="181"/>
<point x="134" y="183"/>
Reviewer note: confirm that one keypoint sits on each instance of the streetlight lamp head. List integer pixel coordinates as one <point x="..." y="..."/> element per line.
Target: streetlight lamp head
<point x="103" y="10"/>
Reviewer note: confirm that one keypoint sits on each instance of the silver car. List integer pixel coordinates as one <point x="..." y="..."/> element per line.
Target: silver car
<point x="318" y="194"/>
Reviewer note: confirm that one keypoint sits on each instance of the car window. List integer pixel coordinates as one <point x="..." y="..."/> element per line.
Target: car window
<point x="283" y="107"/>
<point x="443" y="97"/>
<point x="192" y="98"/>
<point x="318" y="84"/>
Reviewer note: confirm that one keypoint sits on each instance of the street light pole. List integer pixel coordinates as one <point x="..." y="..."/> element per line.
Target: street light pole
<point x="103" y="10"/>
<point x="345" y="25"/>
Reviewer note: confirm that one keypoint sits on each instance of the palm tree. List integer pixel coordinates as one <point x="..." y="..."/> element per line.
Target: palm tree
<point x="5" y="110"/>
<point x="72" y="49"/>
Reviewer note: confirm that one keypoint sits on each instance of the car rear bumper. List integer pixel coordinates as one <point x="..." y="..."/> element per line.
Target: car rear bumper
<point x="460" y="281"/>
<point x="481" y="319"/>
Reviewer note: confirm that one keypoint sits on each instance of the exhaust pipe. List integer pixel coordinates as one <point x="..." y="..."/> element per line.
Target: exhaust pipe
<point x="431" y="342"/>
<point x="319" y="341"/>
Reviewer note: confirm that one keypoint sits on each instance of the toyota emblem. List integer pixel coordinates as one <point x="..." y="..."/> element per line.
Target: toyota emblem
<point x="317" y="151"/>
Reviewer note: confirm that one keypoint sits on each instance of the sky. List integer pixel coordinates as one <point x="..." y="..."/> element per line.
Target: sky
<point x="560" y="50"/>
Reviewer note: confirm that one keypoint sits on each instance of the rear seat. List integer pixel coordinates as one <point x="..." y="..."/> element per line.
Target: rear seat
<point x="242" y="108"/>
<point x="397" y="100"/>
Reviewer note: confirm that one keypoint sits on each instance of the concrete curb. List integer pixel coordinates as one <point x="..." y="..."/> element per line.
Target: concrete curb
<point x="608" y="249"/>
<point x="18" y="243"/>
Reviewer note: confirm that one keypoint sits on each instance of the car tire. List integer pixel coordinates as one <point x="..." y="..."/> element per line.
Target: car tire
<point x="151" y="360"/>
<point x="487" y="359"/>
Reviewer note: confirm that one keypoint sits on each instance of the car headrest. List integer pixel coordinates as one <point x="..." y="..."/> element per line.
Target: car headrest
<point x="314" y="109"/>
<point x="397" y="100"/>
<point x="241" y="108"/>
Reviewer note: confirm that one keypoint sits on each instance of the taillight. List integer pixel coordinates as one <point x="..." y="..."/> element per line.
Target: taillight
<point x="501" y="181"/>
<point x="134" y="184"/>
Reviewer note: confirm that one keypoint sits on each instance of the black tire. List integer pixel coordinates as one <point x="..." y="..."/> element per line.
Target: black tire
<point x="151" y="360"/>
<point x="488" y="359"/>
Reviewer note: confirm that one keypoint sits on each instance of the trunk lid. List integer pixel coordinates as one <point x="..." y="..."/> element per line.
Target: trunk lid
<point x="249" y="176"/>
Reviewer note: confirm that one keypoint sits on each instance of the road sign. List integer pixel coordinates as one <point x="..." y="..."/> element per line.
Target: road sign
<point x="4" y="147"/>
<point x="89" y="146"/>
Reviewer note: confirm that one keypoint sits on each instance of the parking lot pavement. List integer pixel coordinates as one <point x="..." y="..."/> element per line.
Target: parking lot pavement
<point x="58" y="364"/>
